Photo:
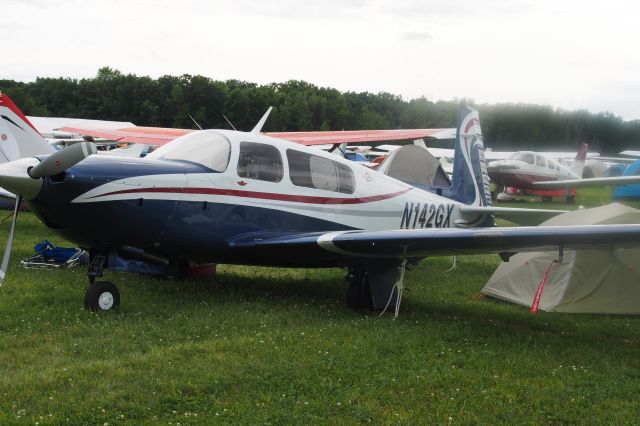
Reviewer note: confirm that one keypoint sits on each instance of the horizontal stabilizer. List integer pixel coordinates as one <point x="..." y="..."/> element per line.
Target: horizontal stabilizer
<point x="526" y="217"/>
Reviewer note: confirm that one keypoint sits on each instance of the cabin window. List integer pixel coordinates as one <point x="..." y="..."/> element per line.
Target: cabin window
<point x="527" y="157"/>
<point x="207" y="148"/>
<point x="541" y="161"/>
<point x="314" y="171"/>
<point x="260" y="161"/>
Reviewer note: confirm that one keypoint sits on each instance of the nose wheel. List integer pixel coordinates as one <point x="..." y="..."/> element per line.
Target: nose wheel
<point x="101" y="296"/>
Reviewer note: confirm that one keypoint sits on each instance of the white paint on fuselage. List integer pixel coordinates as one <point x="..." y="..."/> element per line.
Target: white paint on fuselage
<point x="381" y="214"/>
<point x="540" y="168"/>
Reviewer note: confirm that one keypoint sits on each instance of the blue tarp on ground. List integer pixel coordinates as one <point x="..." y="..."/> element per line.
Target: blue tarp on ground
<point x="629" y="191"/>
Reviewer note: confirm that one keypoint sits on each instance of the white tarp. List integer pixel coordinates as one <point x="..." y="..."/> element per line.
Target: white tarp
<point x="587" y="281"/>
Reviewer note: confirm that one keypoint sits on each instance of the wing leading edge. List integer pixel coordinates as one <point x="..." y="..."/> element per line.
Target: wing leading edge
<point x="345" y="246"/>
<point x="160" y="135"/>
<point x="586" y="182"/>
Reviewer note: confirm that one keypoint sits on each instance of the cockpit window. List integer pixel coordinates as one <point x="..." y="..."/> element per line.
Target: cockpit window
<point x="260" y="161"/>
<point x="209" y="148"/>
<point x="527" y="157"/>
<point x="541" y="161"/>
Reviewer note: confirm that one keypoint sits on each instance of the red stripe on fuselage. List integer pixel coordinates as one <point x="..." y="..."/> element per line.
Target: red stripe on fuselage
<point x="308" y="199"/>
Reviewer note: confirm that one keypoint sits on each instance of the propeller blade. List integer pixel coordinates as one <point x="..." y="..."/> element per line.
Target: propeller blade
<point x="7" y="249"/>
<point x="61" y="160"/>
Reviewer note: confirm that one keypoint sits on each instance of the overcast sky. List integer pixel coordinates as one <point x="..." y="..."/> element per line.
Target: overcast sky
<point x="564" y="53"/>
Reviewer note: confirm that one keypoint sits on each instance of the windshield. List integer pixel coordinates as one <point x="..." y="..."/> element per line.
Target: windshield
<point x="527" y="157"/>
<point x="206" y="147"/>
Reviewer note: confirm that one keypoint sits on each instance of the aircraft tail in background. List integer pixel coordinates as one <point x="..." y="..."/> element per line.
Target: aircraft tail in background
<point x="578" y="164"/>
<point x="18" y="137"/>
<point x="470" y="181"/>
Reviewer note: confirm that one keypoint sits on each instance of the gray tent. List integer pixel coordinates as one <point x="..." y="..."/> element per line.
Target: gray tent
<point x="588" y="281"/>
<point x="414" y="164"/>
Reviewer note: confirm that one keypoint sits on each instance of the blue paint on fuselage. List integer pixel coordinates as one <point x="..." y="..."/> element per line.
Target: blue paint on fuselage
<point x="185" y="230"/>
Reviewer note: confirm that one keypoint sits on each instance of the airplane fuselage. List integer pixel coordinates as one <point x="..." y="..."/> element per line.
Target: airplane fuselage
<point x="187" y="210"/>
<point x="528" y="168"/>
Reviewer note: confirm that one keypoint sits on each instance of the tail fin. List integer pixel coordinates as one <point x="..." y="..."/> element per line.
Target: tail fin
<point x="470" y="181"/>
<point x="578" y="164"/>
<point x="18" y="137"/>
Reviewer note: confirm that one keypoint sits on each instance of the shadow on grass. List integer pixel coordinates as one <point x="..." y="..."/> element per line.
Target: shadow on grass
<point x="288" y="288"/>
<point x="317" y="292"/>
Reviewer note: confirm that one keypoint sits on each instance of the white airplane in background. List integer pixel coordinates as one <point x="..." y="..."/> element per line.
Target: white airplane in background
<point x="532" y="170"/>
<point x="524" y="168"/>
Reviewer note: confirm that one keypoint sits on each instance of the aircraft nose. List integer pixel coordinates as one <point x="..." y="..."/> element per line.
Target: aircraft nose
<point x="14" y="178"/>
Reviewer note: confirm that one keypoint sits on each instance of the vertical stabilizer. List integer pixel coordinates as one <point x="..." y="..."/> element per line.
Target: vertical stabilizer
<point x="18" y="137"/>
<point x="578" y="164"/>
<point x="470" y="181"/>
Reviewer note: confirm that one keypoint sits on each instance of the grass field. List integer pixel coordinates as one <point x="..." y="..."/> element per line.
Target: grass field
<point x="274" y="346"/>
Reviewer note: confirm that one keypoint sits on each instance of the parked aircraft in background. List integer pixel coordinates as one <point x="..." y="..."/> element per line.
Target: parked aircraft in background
<point x="532" y="170"/>
<point x="241" y="197"/>
<point x="524" y="168"/>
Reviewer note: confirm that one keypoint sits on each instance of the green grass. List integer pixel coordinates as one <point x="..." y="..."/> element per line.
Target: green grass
<point x="273" y="346"/>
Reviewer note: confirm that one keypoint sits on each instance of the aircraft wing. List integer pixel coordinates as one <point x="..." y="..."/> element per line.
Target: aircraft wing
<point x="526" y="217"/>
<point x="362" y="136"/>
<point x="349" y="245"/>
<point x="135" y="134"/>
<point x="624" y="160"/>
<point x="631" y="153"/>
<point x="160" y="135"/>
<point x="580" y="183"/>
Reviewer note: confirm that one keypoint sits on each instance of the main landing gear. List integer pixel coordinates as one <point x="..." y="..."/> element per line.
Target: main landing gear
<point x="100" y="295"/>
<point x="373" y="286"/>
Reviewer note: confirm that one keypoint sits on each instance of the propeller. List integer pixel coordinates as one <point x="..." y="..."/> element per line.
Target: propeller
<point x="27" y="183"/>
<point x="7" y="249"/>
<point x="61" y="160"/>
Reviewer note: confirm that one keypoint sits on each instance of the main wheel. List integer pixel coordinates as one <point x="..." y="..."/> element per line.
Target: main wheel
<point x="101" y="295"/>
<point x="358" y="293"/>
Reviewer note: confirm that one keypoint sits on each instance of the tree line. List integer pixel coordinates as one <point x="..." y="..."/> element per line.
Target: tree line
<point x="168" y="101"/>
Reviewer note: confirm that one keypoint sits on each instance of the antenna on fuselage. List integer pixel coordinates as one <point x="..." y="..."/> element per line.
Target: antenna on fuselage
<point x="194" y="120"/>
<point x="230" y="123"/>
<point x="262" y="121"/>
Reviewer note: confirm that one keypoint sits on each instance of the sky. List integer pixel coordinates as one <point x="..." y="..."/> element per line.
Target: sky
<point x="568" y="54"/>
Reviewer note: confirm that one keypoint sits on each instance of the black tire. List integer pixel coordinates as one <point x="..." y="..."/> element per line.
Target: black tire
<point x="101" y="296"/>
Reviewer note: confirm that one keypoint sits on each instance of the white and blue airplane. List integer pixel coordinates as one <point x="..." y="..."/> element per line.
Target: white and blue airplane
<point x="244" y="198"/>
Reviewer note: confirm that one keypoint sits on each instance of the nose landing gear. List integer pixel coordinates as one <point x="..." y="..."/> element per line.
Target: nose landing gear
<point x="100" y="295"/>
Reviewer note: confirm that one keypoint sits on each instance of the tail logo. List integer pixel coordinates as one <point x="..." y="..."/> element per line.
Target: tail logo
<point x="4" y="137"/>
